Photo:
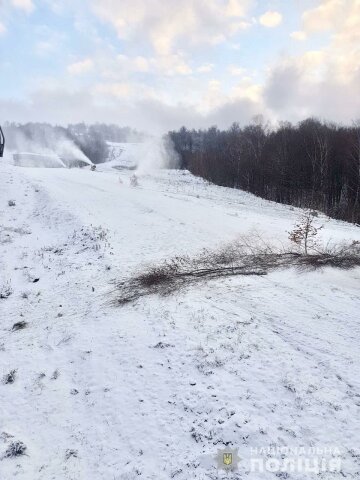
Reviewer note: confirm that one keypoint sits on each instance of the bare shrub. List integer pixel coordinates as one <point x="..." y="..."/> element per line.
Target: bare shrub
<point x="18" y="230"/>
<point x="342" y="256"/>
<point x="248" y="256"/>
<point x="88" y="237"/>
<point x="15" y="449"/>
<point x="233" y="259"/>
<point x="11" y="203"/>
<point x="9" y="378"/>
<point x="6" y="290"/>
<point x="19" y="326"/>
<point x="304" y="234"/>
<point x="71" y="453"/>
<point x="163" y="345"/>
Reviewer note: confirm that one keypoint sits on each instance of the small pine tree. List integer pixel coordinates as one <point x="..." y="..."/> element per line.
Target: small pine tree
<point x="305" y="232"/>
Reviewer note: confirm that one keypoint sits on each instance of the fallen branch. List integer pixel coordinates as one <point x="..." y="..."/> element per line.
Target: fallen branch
<point x="233" y="260"/>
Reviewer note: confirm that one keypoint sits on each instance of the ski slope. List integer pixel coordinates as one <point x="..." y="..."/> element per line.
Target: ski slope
<point x="154" y="389"/>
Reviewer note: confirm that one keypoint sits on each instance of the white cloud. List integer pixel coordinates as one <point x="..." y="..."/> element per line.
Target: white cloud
<point x="205" y="68"/>
<point x="271" y="19"/>
<point x="2" y="29"/>
<point x="26" y="5"/>
<point x="50" y="41"/>
<point x="236" y="70"/>
<point x="57" y="6"/>
<point x="341" y="57"/>
<point x="247" y="90"/>
<point x="236" y="8"/>
<point x="169" y="65"/>
<point x="113" y="89"/>
<point x="174" y="64"/>
<point x="291" y="93"/>
<point x="171" y="24"/>
<point x="299" y="36"/>
<point x="168" y="85"/>
<point x="326" y="16"/>
<point x="322" y="82"/>
<point x="81" y="67"/>
<point x="141" y="64"/>
<point x="44" y="48"/>
<point x="126" y="65"/>
<point x="212" y="96"/>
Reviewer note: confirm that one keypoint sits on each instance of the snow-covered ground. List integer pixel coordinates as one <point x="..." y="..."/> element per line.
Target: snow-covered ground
<point x="155" y="388"/>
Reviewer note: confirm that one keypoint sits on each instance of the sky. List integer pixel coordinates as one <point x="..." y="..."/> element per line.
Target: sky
<point x="159" y="64"/>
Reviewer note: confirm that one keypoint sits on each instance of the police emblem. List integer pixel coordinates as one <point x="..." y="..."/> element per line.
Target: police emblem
<point x="228" y="459"/>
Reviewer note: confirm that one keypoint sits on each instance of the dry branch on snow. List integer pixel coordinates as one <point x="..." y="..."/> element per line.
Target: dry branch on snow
<point x="240" y="258"/>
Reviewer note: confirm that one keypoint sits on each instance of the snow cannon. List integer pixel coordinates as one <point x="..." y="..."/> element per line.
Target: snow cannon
<point x="2" y="142"/>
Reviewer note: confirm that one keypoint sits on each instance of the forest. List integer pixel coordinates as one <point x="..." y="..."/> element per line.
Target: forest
<point x="312" y="164"/>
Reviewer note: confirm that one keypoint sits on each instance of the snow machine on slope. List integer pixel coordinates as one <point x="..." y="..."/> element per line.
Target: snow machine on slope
<point x="2" y="142"/>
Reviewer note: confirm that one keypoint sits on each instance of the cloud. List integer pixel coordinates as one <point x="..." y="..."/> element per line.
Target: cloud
<point x="26" y="5"/>
<point x="322" y="82"/>
<point x="246" y="89"/>
<point x="299" y="35"/>
<point x="113" y="89"/>
<point x="170" y="25"/>
<point x="237" y="110"/>
<point x="81" y="67"/>
<point x="128" y="64"/>
<point x="2" y="29"/>
<point x="61" y="106"/>
<point x="302" y="87"/>
<point x="44" y="48"/>
<point x="326" y="16"/>
<point x="49" y="41"/>
<point x="141" y="64"/>
<point x="270" y="19"/>
<point x="341" y="57"/>
<point x="161" y="76"/>
<point x="205" y="68"/>
<point x="236" y="70"/>
<point x="283" y="88"/>
<point x="122" y="66"/>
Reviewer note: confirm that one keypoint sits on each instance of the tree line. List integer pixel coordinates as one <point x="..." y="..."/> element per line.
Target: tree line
<point x="313" y="164"/>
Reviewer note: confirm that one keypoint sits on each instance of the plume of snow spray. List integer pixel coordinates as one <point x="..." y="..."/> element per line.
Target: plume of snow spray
<point x="155" y="153"/>
<point x="44" y="140"/>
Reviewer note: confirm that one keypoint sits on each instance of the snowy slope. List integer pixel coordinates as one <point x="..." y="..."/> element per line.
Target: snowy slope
<point x="152" y="390"/>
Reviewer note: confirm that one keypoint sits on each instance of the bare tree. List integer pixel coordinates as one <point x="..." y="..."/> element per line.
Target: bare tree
<point x="305" y="232"/>
<point x="355" y="165"/>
